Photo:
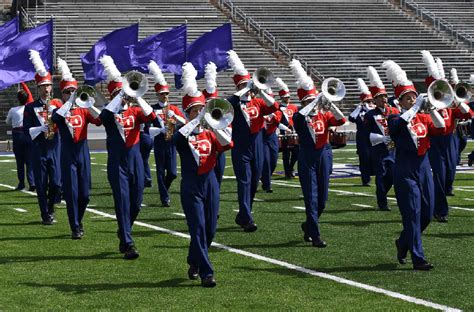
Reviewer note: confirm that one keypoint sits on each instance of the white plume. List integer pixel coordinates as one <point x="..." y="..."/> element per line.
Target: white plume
<point x="439" y="64"/>
<point x="235" y="63"/>
<point x="396" y="74"/>
<point x="210" y="74"/>
<point x="374" y="77"/>
<point x="471" y="79"/>
<point x="64" y="70"/>
<point x="113" y="74"/>
<point x="190" y="86"/>
<point x="362" y="86"/>
<point x="430" y="64"/>
<point x="38" y="63"/>
<point x="281" y="84"/>
<point x="302" y="79"/>
<point x="454" y="76"/>
<point x="155" y="70"/>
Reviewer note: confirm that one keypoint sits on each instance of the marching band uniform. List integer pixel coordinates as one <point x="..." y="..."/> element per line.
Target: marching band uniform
<point x="164" y="148"/>
<point x="146" y="145"/>
<point x="289" y="154"/>
<point x="443" y="153"/>
<point x="21" y="141"/>
<point x="45" y="152"/>
<point x="247" y="154"/>
<point x="124" y="161"/>
<point x="314" y="163"/>
<point x="198" y="150"/>
<point x="270" y="148"/>
<point x="362" y="134"/>
<point x="376" y="123"/>
<point x="413" y="181"/>
<point x="72" y="122"/>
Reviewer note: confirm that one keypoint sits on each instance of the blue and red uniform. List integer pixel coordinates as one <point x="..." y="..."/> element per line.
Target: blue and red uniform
<point x="270" y="148"/>
<point x="146" y="145"/>
<point x="362" y="143"/>
<point x="75" y="162"/>
<point x="289" y="155"/>
<point x="247" y="154"/>
<point x="45" y="156"/>
<point x="314" y="164"/>
<point x="413" y="180"/>
<point x="125" y="166"/>
<point x="383" y="158"/>
<point x="200" y="193"/>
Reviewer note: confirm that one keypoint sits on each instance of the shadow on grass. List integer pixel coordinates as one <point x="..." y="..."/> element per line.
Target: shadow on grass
<point x="293" y="243"/>
<point x="27" y="238"/>
<point x="25" y="223"/>
<point x="359" y="223"/>
<point x="19" y="203"/>
<point x="335" y="211"/>
<point x="99" y="256"/>
<point x="451" y="235"/>
<point x="88" y="288"/>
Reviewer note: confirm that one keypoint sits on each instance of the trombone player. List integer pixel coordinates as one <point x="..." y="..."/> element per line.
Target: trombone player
<point x="45" y="150"/>
<point x="312" y="121"/>
<point x="72" y="120"/>
<point x="125" y="171"/>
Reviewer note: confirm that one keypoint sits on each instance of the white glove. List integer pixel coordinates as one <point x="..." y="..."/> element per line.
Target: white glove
<point x="438" y="121"/>
<point x="146" y="108"/>
<point x="284" y="128"/>
<point x="386" y="139"/>
<point x="35" y="131"/>
<point x="356" y="112"/>
<point x="336" y="112"/>
<point x="94" y="111"/>
<point x="154" y="131"/>
<point x="188" y="128"/>
<point x="62" y="111"/>
<point x="245" y="90"/>
<point x="409" y="114"/>
<point x="376" y="139"/>
<point x="116" y="103"/>
<point x="269" y="100"/>
<point x="171" y="113"/>
<point x="308" y="108"/>
<point x="224" y="136"/>
<point x="464" y="108"/>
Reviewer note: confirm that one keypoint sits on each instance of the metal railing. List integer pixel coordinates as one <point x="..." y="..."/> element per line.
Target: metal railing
<point x="266" y="37"/>
<point x="439" y="24"/>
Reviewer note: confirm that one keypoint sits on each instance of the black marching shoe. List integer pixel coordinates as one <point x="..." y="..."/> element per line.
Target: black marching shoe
<point x="450" y="194"/>
<point x="269" y="190"/>
<point x="469" y="162"/>
<point x="32" y="188"/>
<point x="76" y="235"/>
<point x="248" y="227"/>
<point x="193" y="272"/>
<point x="384" y="208"/>
<point x="425" y="266"/>
<point x="20" y="187"/>
<point x="166" y="203"/>
<point x="147" y="183"/>
<point x="131" y="253"/>
<point x="81" y="229"/>
<point x="306" y="236"/>
<point x="401" y="255"/>
<point x="49" y="221"/>
<point x="319" y="243"/>
<point x="442" y="219"/>
<point x="208" y="282"/>
<point x="366" y="184"/>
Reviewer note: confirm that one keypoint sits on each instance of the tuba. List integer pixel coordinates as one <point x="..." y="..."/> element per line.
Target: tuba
<point x="440" y="94"/>
<point x="219" y="114"/>
<point x="85" y="96"/>
<point x="263" y="78"/>
<point x="135" y="84"/>
<point x="462" y="92"/>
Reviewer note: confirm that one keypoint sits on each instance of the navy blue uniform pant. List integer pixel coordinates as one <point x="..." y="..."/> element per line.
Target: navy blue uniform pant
<point x="76" y="178"/>
<point x="365" y="162"/>
<point x="383" y="178"/>
<point x="414" y="191"/>
<point x="270" y="158"/>
<point x="166" y="170"/>
<point x="220" y="167"/>
<point x="146" y="145"/>
<point x="248" y="166"/>
<point x="200" y="201"/>
<point x="314" y="169"/>
<point x="125" y="175"/>
<point x="23" y="156"/>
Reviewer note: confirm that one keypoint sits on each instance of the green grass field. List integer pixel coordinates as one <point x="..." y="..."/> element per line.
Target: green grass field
<point x="41" y="268"/>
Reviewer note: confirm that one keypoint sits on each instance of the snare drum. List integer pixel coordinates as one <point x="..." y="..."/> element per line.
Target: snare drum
<point x="337" y="139"/>
<point x="464" y="128"/>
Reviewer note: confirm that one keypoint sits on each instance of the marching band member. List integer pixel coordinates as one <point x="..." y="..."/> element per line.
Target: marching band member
<point x="124" y="162"/>
<point x="164" y="148"/>
<point x="362" y="134"/>
<point x="270" y="147"/>
<point x="289" y="153"/>
<point x="247" y="154"/>
<point x="413" y="182"/>
<point x="381" y="149"/>
<point x="314" y="166"/>
<point x="210" y="92"/>
<point x="21" y="142"/>
<point x="198" y="149"/>
<point x="45" y="150"/>
<point x="443" y="151"/>
<point x="72" y="122"/>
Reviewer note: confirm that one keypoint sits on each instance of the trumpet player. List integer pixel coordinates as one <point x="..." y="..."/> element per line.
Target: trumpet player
<point x="362" y="134"/>
<point x="72" y="121"/>
<point x="45" y="150"/>
<point x="124" y="163"/>
<point x="381" y="146"/>
<point x="247" y="154"/>
<point x="314" y="162"/>
<point x="198" y="149"/>
<point x="443" y="153"/>
<point x="413" y="181"/>
<point x="170" y="118"/>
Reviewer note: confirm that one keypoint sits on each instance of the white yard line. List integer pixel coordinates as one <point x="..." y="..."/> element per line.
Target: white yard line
<point x="179" y="214"/>
<point x="461" y="208"/>
<point x="299" y="208"/>
<point x="20" y="209"/>
<point x="362" y="205"/>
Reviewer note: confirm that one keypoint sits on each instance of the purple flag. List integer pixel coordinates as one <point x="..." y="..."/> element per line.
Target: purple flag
<point x="167" y="49"/>
<point x="15" y="65"/>
<point x="210" y="47"/>
<point x="114" y="44"/>
<point x="9" y="30"/>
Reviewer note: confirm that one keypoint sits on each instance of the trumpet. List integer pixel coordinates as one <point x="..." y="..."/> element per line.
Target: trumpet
<point x="218" y="115"/>
<point x="135" y="84"/>
<point x="85" y="96"/>
<point x="462" y="92"/>
<point x="440" y="94"/>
